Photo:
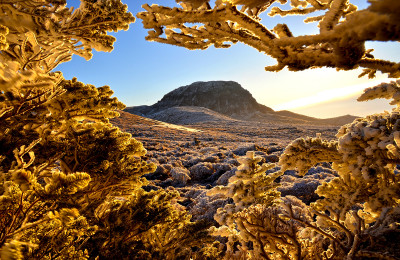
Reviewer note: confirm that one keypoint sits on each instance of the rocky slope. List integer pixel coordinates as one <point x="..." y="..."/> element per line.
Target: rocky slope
<point x="220" y="100"/>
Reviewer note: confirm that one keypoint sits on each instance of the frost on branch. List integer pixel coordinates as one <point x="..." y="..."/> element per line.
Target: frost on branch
<point x="60" y="158"/>
<point x="156" y="226"/>
<point x="362" y="202"/>
<point x="302" y="154"/>
<point x="3" y="41"/>
<point x="384" y="90"/>
<point x="46" y="33"/>
<point x="28" y="223"/>
<point x="272" y="231"/>
<point x="364" y="156"/>
<point x="340" y="43"/>
<point x="249" y="186"/>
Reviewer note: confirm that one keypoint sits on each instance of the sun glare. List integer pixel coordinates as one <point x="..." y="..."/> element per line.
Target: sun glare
<point x="327" y="96"/>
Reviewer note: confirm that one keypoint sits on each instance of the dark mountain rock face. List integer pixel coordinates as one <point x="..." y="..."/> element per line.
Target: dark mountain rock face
<point x="225" y="97"/>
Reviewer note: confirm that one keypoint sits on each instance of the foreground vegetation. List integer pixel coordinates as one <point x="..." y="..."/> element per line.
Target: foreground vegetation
<point x="71" y="183"/>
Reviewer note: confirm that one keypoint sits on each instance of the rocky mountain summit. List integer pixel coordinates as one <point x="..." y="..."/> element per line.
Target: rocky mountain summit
<point x="219" y="100"/>
<point x="225" y="97"/>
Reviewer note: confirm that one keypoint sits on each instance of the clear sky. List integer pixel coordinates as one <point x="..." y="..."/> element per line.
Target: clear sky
<point x="141" y="72"/>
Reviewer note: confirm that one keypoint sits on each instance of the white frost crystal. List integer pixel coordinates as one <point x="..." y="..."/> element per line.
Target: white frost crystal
<point x="385" y="90"/>
<point x="180" y="174"/>
<point x="56" y="32"/>
<point x="249" y="186"/>
<point x="340" y="44"/>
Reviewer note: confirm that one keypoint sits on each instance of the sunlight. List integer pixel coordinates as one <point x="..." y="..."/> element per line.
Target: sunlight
<point x="327" y="96"/>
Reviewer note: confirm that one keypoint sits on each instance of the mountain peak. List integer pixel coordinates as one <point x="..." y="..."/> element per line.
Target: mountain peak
<point x="228" y="98"/>
<point x="225" y="97"/>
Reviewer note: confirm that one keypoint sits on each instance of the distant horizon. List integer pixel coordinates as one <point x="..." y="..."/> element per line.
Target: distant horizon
<point x="307" y="109"/>
<point x="141" y="72"/>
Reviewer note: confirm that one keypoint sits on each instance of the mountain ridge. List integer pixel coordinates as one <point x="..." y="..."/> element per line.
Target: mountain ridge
<point x="227" y="99"/>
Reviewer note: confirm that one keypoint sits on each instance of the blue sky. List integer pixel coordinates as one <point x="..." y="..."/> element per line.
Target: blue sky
<point x="141" y="72"/>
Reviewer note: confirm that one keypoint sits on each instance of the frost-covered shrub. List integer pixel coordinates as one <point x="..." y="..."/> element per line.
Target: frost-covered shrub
<point x="201" y="171"/>
<point x="249" y="186"/>
<point x="67" y="176"/>
<point x="304" y="187"/>
<point x="271" y="234"/>
<point x="360" y="204"/>
<point x="219" y="170"/>
<point x="272" y="158"/>
<point x="51" y="170"/>
<point x="190" y="161"/>
<point x="208" y="150"/>
<point x="211" y="159"/>
<point x="181" y="175"/>
<point x="162" y="172"/>
<point x="363" y="198"/>
<point x="241" y="151"/>
<point x="204" y="206"/>
<point x="224" y="178"/>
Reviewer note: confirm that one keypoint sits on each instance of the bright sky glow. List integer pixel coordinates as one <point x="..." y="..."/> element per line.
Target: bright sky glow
<point x="141" y="72"/>
<point x="329" y="95"/>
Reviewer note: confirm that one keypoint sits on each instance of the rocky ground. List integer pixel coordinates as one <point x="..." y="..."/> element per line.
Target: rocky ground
<point x="195" y="157"/>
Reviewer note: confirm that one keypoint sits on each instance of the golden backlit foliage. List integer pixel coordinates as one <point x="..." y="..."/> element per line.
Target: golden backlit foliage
<point x="340" y="43"/>
<point x="70" y="182"/>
